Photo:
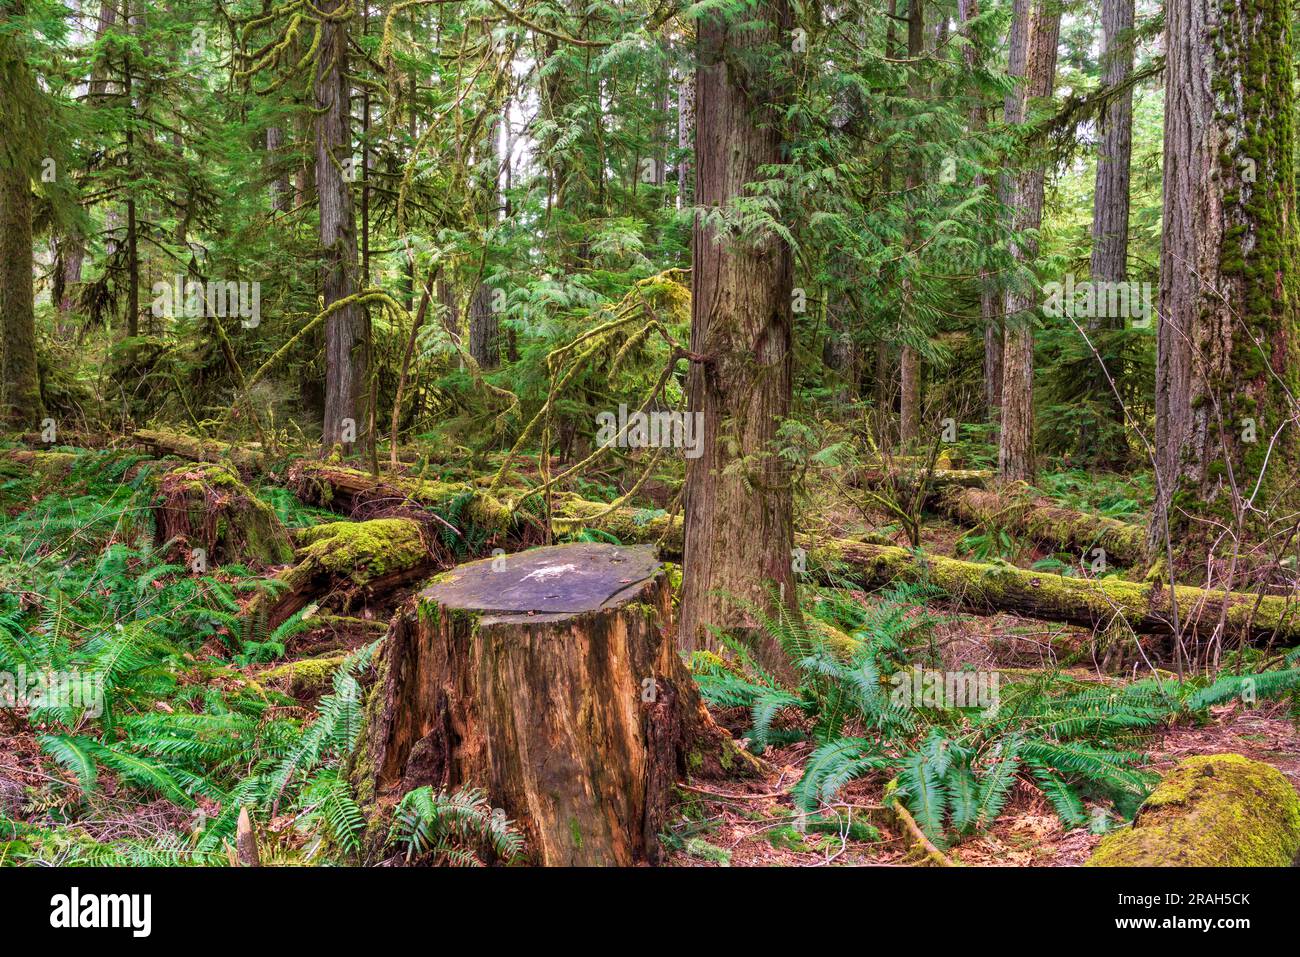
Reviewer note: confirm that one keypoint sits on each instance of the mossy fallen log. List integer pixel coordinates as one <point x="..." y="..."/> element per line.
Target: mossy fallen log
<point x="548" y="678"/>
<point x="974" y="587"/>
<point x="246" y="456"/>
<point x="350" y="491"/>
<point x="340" y="562"/>
<point x="1216" y="810"/>
<point x="937" y="480"/>
<point x="206" y="506"/>
<point x="1041" y="520"/>
<point x="1094" y="603"/>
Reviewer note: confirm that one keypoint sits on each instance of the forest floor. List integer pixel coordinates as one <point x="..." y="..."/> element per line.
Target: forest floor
<point x="754" y="822"/>
<point x="737" y="822"/>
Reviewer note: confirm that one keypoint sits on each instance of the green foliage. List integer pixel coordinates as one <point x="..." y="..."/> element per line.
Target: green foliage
<point x="955" y="766"/>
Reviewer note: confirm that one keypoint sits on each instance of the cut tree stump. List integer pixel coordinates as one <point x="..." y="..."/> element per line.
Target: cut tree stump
<point x="548" y="679"/>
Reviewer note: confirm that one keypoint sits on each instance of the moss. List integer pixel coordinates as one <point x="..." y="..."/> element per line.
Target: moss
<point x="207" y="504"/>
<point x="363" y="551"/>
<point x="1220" y="810"/>
<point x="788" y="839"/>
<point x="854" y="827"/>
<point x="698" y="847"/>
<point x="304" y="677"/>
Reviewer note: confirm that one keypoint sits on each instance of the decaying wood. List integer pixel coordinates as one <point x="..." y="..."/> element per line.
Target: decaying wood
<point x="1093" y="603"/>
<point x="246" y="456"/>
<point x="246" y="841"/>
<point x="206" y="507"/>
<point x="550" y="679"/>
<point x="339" y="563"/>
<point x="1041" y="520"/>
<point x="972" y="586"/>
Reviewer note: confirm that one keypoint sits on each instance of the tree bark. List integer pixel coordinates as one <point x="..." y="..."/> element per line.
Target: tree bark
<point x="737" y="502"/>
<point x="346" y="358"/>
<point x="1016" y="443"/>
<point x="20" y="392"/>
<point x="1226" y="338"/>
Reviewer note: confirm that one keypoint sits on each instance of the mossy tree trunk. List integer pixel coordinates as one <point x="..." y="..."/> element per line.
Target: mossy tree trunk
<point x="1226" y="341"/>
<point x="346" y="358"/>
<point x="737" y="502"/>
<point x="547" y="678"/>
<point x="20" y="394"/>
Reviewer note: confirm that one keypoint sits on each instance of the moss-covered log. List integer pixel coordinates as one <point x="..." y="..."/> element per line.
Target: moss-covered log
<point x="936" y="481"/>
<point x="246" y="456"/>
<point x="1041" y="520"/>
<point x="549" y="679"/>
<point x="1215" y="810"/>
<point x="1093" y="603"/>
<point x="350" y="490"/>
<point x="206" y="506"/>
<point x="339" y="563"/>
<point x="975" y="587"/>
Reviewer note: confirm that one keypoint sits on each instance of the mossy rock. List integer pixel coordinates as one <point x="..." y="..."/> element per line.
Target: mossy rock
<point x="1218" y="810"/>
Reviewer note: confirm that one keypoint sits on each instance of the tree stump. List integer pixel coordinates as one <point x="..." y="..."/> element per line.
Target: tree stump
<point x="207" y="507"/>
<point x="548" y="679"/>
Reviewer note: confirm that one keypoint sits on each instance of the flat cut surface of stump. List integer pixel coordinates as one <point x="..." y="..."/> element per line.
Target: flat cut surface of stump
<point x="554" y="582"/>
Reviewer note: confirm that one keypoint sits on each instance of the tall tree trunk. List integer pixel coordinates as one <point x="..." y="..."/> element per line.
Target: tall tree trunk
<point x="1111" y="212"/>
<point x="345" y="333"/>
<point x="20" y="394"/>
<point x="909" y="409"/>
<point x="1226" y="339"/>
<point x="1111" y="205"/>
<point x="990" y="301"/>
<point x="685" y="125"/>
<point x="1016" y="445"/>
<point x="738" y="498"/>
<point x="281" y="192"/>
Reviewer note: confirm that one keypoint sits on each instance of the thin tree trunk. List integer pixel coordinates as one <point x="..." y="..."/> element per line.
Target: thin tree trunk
<point x="345" y="347"/>
<point x="1016" y="446"/>
<point x="738" y="523"/>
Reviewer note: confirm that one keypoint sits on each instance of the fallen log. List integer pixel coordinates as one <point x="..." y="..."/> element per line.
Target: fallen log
<point x="974" y="587"/>
<point x="246" y="456"/>
<point x="1041" y="520"/>
<point x="1094" y="603"/>
<point x="342" y="562"/>
<point x="937" y="481"/>
<point x="1213" y="810"/>
<point x="350" y="491"/>
<point x="550" y="679"/>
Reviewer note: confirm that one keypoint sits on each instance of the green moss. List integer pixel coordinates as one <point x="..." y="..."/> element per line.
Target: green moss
<point x="1220" y="810"/>
<point x="699" y="848"/>
<point x="788" y="839"/>
<point x="306" y="676"/>
<point x="363" y="551"/>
